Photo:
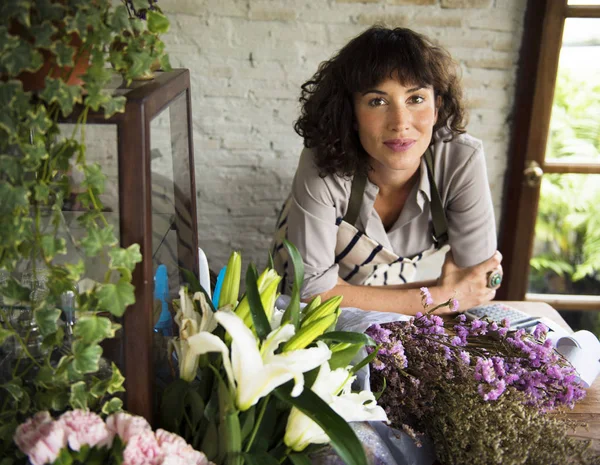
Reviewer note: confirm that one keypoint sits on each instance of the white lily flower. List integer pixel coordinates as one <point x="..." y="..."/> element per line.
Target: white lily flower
<point x="334" y="388"/>
<point x="255" y="370"/>
<point x="190" y="323"/>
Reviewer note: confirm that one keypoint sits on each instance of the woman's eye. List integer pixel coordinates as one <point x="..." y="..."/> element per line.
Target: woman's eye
<point x="376" y="102"/>
<point x="417" y="99"/>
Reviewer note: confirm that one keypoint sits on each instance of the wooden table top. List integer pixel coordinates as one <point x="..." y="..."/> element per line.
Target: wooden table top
<point x="587" y="410"/>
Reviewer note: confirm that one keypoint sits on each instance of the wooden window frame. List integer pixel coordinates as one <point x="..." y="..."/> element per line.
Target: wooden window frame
<point x="539" y="56"/>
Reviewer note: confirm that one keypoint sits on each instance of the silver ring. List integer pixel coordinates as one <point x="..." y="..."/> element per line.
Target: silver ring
<point x="494" y="279"/>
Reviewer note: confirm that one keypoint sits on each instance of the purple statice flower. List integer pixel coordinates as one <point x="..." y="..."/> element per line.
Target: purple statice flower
<point x="492" y="391"/>
<point x="540" y="330"/>
<point x="426" y="299"/>
<point x="453" y="305"/>
<point x="484" y="370"/>
<point x="479" y="327"/>
<point x="379" y="334"/>
<point x="465" y="357"/>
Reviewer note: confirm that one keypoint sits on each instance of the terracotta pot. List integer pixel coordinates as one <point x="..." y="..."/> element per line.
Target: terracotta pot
<point x="71" y="75"/>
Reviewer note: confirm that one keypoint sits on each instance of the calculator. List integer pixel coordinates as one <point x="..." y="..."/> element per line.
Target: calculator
<point x="498" y="312"/>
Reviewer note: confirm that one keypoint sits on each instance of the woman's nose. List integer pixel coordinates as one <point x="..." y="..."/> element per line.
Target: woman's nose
<point x="399" y="118"/>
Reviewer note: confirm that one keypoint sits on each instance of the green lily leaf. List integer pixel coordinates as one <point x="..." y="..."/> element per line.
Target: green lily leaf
<point x="194" y="286"/>
<point x="86" y="357"/>
<point x="247" y="421"/>
<point x="46" y="319"/>
<point x="342" y="358"/>
<point x="347" y="336"/>
<point x="114" y="405"/>
<point x="299" y="459"/>
<point x="92" y="329"/>
<point x="260" y="458"/>
<point x="173" y="404"/>
<point x="116" y="297"/>
<point x="125" y="258"/>
<point x="157" y="22"/>
<point x="259" y="318"/>
<point x="78" y="397"/>
<point x="292" y="313"/>
<point x="365" y="361"/>
<point x="343" y="438"/>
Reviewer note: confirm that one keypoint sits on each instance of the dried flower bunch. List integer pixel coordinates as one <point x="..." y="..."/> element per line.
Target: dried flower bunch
<point x="479" y="391"/>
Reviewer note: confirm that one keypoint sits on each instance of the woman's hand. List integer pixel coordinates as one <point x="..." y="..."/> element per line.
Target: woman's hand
<point x="468" y="285"/>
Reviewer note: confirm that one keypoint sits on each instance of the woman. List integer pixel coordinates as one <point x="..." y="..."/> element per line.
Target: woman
<point x="389" y="181"/>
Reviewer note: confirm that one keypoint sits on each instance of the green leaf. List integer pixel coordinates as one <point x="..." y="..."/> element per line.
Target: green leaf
<point x="299" y="459"/>
<point x="173" y="404"/>
<point x="140" y="4"/>
<point x="233" y="441"/>
<point x="365" y="361"/>
<point x="260" y="458"/>
<point x="12" y="198"/>
<point x="94" y="178"/>
<point x="53" y="246"/>
<point x="114" y="405"/>
<point x="46" y="319"/>
<point x="116" y="297"/>
<point x="347" y="336"/>
<point x="11" y="167"/>
<point x="64" y="54"/>
<point x="91" y="328"/>
<point x="13" y="293"/>
<point x="120" y="20"/>
<point x="116" y="380"/>
<point x="342" y="358"/>
<point x="157" y="22"/>
<point x="210" y="441"/>
<point x="75" y="270"/>
<point x="57" y="91"/>
<point x="42" y="34"/>
<point x="343" y="438"/>
<point x="247" y="421"/>
<point x="292" y="313"/>
<point x="14" y="388"/>
<point x="125" y="258"/>
<point x="23" y="57"/>
<point x="86" y="357"/>
<point x="114" y="105"/>
<point x="97" y="239"/>
<point x="259" y="318"/>
<point x="194" y="286"/>
<point x="78" y="397"/>
<point x="5" y="334"/>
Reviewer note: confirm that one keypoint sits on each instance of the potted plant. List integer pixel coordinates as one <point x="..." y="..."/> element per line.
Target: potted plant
<point x="46" y="363"/>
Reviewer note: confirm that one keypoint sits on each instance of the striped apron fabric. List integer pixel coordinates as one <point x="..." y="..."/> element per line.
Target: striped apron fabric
<point x="364" y="261"/>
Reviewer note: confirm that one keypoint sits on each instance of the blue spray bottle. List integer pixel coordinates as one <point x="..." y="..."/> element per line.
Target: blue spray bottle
<point x="164" y="324"/>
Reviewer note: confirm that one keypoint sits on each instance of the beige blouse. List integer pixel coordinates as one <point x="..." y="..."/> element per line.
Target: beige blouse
<point x="461" y="177"/>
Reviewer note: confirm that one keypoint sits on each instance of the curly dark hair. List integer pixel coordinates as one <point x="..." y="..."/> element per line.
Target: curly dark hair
<point x="327" y="116"/>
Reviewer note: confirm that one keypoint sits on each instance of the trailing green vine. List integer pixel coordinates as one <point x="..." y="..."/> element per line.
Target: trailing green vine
<point x="44" y="364"/>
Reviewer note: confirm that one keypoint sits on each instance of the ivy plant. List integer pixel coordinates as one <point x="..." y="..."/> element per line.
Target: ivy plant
<point x="43" y="367"/>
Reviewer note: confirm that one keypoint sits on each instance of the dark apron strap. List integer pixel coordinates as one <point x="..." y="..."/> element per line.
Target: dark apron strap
<point x="438" y="215"/>
<point x="356" y="195"/>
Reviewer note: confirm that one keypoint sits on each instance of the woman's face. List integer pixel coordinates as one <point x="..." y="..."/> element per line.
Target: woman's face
<point x="395" y="123"/>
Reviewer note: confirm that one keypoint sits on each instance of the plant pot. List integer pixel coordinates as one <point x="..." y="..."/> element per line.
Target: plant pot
<point x="71" y="75"/>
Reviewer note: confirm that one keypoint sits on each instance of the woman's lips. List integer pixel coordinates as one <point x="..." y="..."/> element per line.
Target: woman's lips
<point x="400" y="145"/>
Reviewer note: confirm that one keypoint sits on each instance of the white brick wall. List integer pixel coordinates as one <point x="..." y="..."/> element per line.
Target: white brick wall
<point x="248" y="59"/>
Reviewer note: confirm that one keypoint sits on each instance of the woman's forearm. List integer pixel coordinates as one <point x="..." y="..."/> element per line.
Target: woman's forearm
<point x="402" y="298"/>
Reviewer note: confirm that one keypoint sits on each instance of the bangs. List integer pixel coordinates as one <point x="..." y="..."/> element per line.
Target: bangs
<point x="387" y="54"/>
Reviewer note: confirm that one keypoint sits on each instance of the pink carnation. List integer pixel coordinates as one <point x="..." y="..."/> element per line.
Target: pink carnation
<point x="176" y="451"/>
<point x="142" y="449"/>
<point x="41" y="438"/>
<point x="85" y="428"/>
<point x="127" y="426"/>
